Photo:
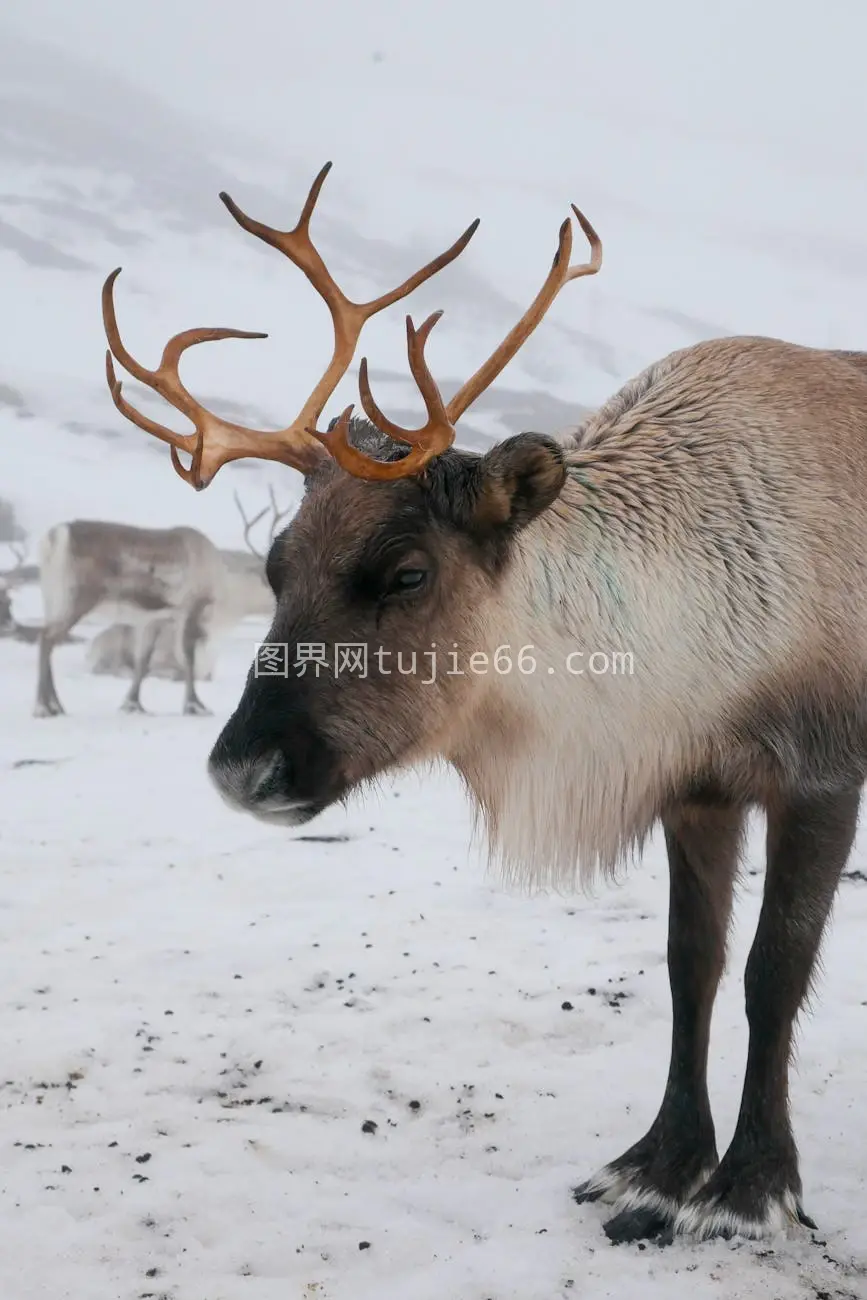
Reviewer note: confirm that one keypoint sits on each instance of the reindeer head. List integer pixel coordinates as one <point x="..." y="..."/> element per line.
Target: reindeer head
<point x="400" y="548"/>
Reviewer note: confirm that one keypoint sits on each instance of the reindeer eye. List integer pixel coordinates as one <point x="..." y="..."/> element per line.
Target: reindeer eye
<point x="409" y="579"/>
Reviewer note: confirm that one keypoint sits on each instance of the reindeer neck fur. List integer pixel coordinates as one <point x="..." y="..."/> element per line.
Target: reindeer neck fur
<point x="672" y="541"/>
<point x="567" y="766"/>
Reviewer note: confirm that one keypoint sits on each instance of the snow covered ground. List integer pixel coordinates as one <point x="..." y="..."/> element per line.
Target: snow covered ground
<point x="241" y="1063"/>
<point x="245" y="1063"/>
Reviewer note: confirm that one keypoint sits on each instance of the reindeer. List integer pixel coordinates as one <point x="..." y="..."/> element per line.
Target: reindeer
<point x="711" y="518"/>
<point x="113" y="650"/>
<point x="169" y="583"/>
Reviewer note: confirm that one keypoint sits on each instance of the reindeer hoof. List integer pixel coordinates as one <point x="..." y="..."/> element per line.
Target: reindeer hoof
<point x="47" y="709"/>
<point x="196" y="709"/>
<point x="132" y="706"/>
<point x="716" y="1213"/>
<point x="640" y="1224"/>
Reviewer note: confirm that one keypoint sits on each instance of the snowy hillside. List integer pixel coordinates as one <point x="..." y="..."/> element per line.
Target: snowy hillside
<point x="78" y="197"/>
<point x="704" y="234"/>
<point x="345" y="1064"/>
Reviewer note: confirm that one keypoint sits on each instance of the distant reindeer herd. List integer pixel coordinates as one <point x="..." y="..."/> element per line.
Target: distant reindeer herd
<point x="170" y="592"/>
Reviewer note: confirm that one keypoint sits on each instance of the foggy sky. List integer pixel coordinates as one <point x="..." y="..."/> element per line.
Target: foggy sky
<point x="279" y="66"/>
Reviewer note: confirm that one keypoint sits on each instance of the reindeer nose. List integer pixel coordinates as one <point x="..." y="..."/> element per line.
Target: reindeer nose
<point x="263" y="780"/>
<point x="265" y="769"/>
<point x="271" y="760"/>
<point x="246" y="779"/>
<point x="261" y="785"/>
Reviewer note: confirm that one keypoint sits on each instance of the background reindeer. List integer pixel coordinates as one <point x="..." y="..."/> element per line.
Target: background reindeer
<point x="170" y="583"/>
<point x="711" y="517"/>
<point x="112" y="652"/>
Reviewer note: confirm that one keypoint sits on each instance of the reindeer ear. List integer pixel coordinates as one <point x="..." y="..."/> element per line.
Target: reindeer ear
<point x="517" y="480"/>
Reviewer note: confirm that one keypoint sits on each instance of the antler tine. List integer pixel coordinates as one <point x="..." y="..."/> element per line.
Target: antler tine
<point x="165" y="380"/>
<point x="439" y="433"/>
<point x="559" y="275"/>
<point x="19" y="554"/>
<point x="595" y="263"/>
<point x="431" y="440"/>
<point x="276" y="513"/>
<point x="279" y="238"/>
<point x="215" y="441"/>
<point x="249" y="524"/>
<point x="348" y="317"/>
<point x="415" y="345"/>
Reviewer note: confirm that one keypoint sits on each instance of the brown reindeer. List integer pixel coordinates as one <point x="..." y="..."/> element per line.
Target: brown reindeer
<point x="710" y="520"/>
<point x="162" y="582"/>
<point x="114" y="650"/>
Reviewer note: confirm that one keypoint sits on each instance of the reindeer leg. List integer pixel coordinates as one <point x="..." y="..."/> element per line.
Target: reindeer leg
<point x="757" y="1188"/>
<point x="146" y="640"/>
<point x="191" y="636"/>
<point x="651" y="1181"/>
<point x="47" y="701"/>
<point x="54" y="630"/>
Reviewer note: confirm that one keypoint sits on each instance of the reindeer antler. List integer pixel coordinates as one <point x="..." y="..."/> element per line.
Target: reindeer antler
<point x="9" y="577"/>
<point x="20" y="554"/>
<point x="217" y="441"/>
<point x="429" y="441"/>
<point x="249" y="524"/>
<point x="439" y="433"/>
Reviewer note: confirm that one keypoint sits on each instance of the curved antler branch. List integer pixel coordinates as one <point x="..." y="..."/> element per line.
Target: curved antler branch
<point x="439" y="432"/>
<point x="218" y="441"/>
<point x="559" y="275"/>
<point x="166" y="381"/>
<point x="348" y="317"/>
<point x="429" y="441"/>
